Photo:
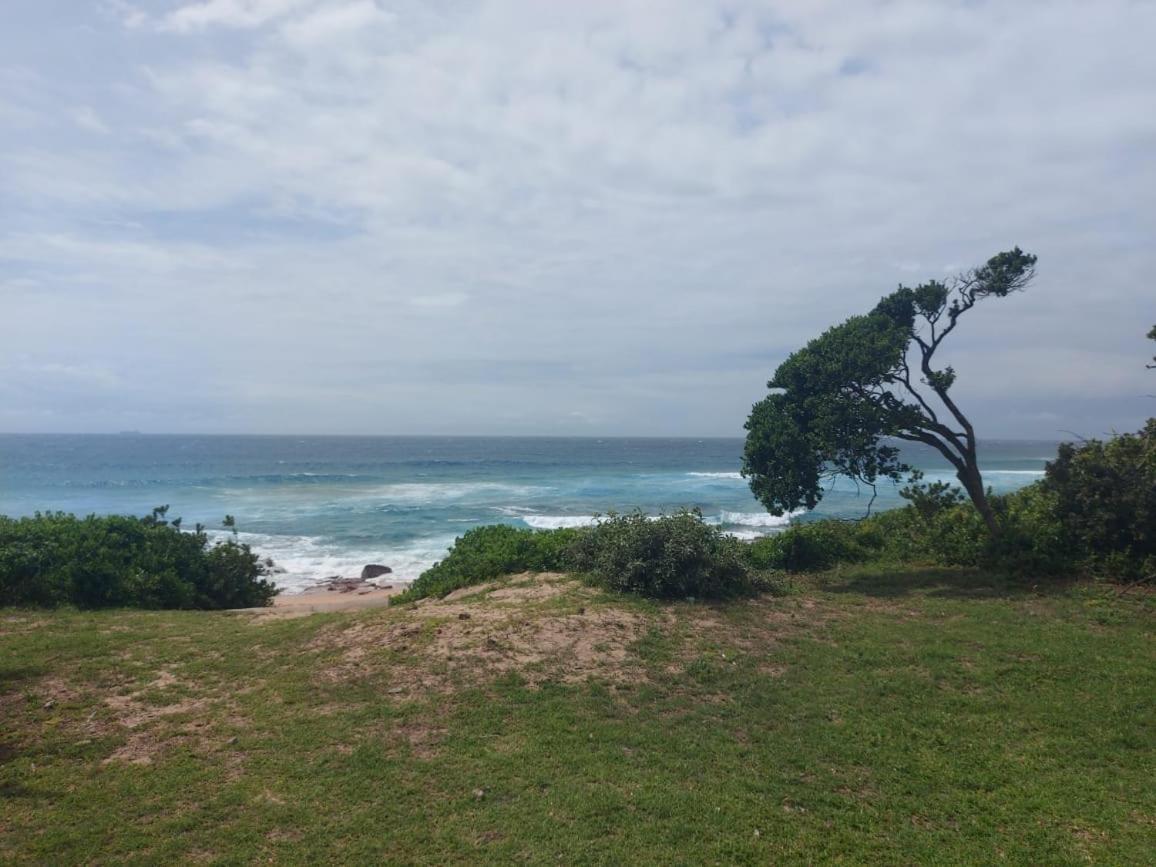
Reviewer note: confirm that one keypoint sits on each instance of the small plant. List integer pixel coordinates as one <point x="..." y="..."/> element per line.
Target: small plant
<point x="673" y="556"/>
<point x="931" y="499"/>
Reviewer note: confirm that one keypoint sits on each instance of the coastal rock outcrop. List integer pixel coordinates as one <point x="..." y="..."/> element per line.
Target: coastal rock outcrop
<point x="373" y="570"/>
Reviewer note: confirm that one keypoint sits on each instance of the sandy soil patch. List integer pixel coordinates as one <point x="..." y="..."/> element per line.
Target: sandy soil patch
<point x="539" y="626"/>
<point x="320" y="600"/>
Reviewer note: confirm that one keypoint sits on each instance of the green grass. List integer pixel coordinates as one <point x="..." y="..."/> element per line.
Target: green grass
<point x="872" y="716"/>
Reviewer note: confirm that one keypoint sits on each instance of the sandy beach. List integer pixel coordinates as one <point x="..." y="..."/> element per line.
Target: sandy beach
<point x="345" y="596"/>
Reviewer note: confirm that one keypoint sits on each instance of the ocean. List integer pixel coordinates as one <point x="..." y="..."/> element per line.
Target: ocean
<point x="324" y="506"/>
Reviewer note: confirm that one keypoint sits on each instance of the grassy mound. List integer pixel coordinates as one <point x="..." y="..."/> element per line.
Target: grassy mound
<point x="873" y="716"/>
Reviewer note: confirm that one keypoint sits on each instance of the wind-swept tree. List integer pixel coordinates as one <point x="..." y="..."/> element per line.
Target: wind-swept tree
<point x="835" y="403"/>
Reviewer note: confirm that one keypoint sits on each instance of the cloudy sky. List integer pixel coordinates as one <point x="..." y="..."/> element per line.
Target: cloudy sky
<point x="557" y="217"/>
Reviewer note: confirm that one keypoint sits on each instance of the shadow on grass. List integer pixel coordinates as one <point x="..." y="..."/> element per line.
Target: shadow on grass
<point x="936" y="581"/>
<point x="11" y="679"/>
<point x="11" y="676"/>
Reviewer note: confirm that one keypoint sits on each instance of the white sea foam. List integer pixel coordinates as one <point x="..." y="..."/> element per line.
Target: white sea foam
<point x="513" y="511"/>
<point x="308" y="560"/>
<point x="738" y="476"/>
<point x="745" y="535"/>
<point x="557" y="522"/>
<point x="424" y="493"/>
<point x="725" y="519"/>
<point x="757" y="519"/>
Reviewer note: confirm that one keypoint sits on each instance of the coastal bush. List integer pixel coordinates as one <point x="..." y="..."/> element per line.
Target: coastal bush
<point x="814" y="546"/>
<point x="120" y="561"/>
<point x="1103" y="497"/>
<point x="938" y="527"/>
<point x="673" y="556"/>
<point x="488" y="552"/>
<point x="1093" y="513"/>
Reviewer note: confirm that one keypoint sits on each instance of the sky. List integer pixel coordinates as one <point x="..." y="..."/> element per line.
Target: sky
<point x="559" y="218"/>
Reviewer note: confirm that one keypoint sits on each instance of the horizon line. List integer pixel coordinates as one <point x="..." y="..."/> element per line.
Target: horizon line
<point x="701" y="437"/>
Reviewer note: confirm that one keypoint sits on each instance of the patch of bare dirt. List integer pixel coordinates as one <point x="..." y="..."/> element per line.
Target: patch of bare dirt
<point x="150" y="728"/>
<point x="504" y="627"/>
<point x="16" y="624"/>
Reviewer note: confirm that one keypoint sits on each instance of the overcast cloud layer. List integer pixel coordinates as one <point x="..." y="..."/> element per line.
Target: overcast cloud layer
<point x="349" y="216"/>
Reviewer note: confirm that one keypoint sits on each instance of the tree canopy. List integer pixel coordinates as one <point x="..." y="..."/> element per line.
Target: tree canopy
<point x="837" y="403"/>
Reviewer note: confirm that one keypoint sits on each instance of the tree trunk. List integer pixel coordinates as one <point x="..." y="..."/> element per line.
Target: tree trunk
<point x="973" y="484"/>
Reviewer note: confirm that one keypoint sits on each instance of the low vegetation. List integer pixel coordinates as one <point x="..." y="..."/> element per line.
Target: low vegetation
<point x="1093" y="514"/>
<point x="670" y="557"/>
<point x="665" y="557"/>
<point x="124" y="562"/>
<point x="872" y="715"/>
<point x="484" y="553"/>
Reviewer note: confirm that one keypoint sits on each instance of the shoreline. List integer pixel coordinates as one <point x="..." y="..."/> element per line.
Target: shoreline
<point x="338" y="594"/>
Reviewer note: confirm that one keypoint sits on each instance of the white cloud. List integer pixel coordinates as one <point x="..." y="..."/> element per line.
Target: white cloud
<point x="656" y="200"/>
<point x="229" y="13"/>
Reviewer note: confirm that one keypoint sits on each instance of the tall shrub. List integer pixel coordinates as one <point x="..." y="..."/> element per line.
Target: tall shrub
<point x="1105" y="500"/>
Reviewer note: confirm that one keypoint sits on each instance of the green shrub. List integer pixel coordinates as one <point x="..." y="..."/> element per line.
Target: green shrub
<point x="488" y="552"/>
<point x="937" y="528"/>
<point x="117" y="561"/>
<point x="673" y="556"/>
<point x="1104" y="499"/>
<point x="814" y="546"/>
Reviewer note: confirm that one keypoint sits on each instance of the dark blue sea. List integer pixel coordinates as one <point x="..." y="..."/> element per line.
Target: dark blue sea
<point x="322" y="506"/>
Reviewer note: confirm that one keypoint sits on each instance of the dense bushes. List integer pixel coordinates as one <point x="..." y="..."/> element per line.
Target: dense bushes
<point x="671" y="556"/>
<point x="949" y="534"/>
<point x="1103" y="497"/>
<point x="815" y="546"/>
<point x="488" y="552"/>
<point x="1094" y="513"/>
<point x="674" y="556"/>
<point x="118" y="561"/>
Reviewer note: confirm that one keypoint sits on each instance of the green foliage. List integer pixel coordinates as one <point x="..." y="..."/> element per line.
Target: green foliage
<point x="938" y="528"/>
<point x="673" y="556"/>
<point x="819" y="423"/>
<point x="931" y="499"/>
<point x="488" y="552"/>
<point x="1093" y="514"/>
<point x="1104" y="498"/>
<point x="835" y="401"/>
<point x="119" y="561"/>
<point x="815" y="546"/>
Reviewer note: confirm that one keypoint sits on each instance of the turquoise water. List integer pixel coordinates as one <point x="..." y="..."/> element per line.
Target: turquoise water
<point x="322" y="506"/>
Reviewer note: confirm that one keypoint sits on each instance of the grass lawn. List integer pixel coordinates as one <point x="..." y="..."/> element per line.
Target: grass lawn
<point x="932" y="717"/>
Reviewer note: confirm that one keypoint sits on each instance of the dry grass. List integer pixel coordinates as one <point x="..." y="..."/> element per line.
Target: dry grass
<point x="545" y="627"/>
